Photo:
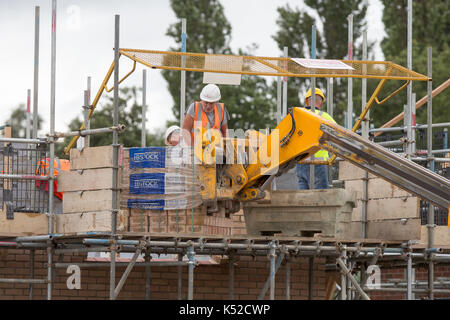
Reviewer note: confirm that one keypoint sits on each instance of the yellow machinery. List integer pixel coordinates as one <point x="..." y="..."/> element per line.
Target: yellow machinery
<point x="249" y="164"/>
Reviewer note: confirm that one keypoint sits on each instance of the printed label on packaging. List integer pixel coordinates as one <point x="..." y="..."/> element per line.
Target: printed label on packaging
<point x="145" y="204"/>
<point x="153" y="157"/>
<point x="157" y="183"/>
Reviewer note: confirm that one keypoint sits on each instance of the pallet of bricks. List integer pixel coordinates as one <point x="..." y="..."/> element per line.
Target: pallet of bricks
<point x="88" y="192"/>
<point x="392" y="213"/>
<point x="161" y="193"/>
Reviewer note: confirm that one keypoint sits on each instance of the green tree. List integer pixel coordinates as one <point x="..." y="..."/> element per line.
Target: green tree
<point x="294" y="32"/>
<point x="18" y="122"/>
<point x="431" y="27"/>
<point x="249" y="105"/>
<point x="130" y="114"/>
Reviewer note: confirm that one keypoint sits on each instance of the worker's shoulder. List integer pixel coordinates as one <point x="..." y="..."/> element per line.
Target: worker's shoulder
<point x="326" y="115"/>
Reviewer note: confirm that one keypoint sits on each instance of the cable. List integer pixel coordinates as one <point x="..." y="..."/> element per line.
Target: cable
<point x="287" y="137"/>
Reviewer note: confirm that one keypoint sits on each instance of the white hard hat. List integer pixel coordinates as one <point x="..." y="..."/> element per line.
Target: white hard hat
<point x="170" y="131"/>
<point x="210" y="93"/>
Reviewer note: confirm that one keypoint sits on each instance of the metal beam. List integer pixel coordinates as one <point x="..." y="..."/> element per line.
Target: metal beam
<point x="267" y="283"/>
<point x="126" y="273"/>
<point x="352" y="279"/>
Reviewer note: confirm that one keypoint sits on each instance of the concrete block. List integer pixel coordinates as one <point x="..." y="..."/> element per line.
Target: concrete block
<point x="86" y="201"/>
<point x="302" y="213"/>
<point x="91" y="158"/>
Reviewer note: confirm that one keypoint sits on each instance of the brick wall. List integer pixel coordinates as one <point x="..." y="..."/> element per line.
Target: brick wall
<point x="210" y="281"/>
<point x="440" y="271"/>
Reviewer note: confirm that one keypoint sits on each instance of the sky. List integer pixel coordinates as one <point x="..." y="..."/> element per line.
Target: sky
<point x="85" y="41"/>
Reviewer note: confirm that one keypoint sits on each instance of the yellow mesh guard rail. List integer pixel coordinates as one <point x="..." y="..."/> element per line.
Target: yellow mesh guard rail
<point x="266" y="66"/>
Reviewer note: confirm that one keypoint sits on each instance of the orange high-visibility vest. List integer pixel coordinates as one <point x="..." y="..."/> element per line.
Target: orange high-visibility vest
<point x="43" y="168"/>
<point x="200" y="116"/>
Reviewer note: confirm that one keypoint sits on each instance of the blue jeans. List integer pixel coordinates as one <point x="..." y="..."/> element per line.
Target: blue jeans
<point x="320" y="176"/>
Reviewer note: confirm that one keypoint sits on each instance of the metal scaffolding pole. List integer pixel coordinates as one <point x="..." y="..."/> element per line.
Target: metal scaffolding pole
<point x="267" y="283"/>
<point x="86" y="141"/>
<point x="365" y="134"/>
<point x="52" y="150"/>
<point x="21" y="140"/>
<point x="349" y="124"/>
<point x="183" y="72"/>
<point x="349" y="283"/>
<point x="278" y="100"/>
<point x="144" y="109"/>
<point x="313" y="100"/>
<point x="410" y="106"/>
<point x="409" y="277"/>
<point x="366" y="120"/>
<point x="343" y="258"/>
<point x="180" y="279"/>
<point x="88" y="103"/>
<point x="311" y="277"/>
<point x="413" y="124"/>
<point x="329" y="96"/>
<point x="431" y="224"/>
<point x="30" y="288"/>
<point x="191" y="265"/>
<point x="285" y="87"/>
<point x="288" y="279"/>
<point x="348" y="274"/>
<point x="147" y="275"/>
<point x="28" y="129"/>
<point x="231" y="276"/>
<point x="36" y="70"/>
<point x="86" y="132"/>
<point x="126" y="273"/>
<point x="115" y="144"/>
<point x="272" y="256"/>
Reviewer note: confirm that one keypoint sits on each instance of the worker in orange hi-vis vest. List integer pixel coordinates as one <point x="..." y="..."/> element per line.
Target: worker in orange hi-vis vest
<point x="43" y="169"/>
<point x="209" y="113"/>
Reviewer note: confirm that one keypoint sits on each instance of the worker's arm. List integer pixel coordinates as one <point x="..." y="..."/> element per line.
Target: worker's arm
<point x="188" y="124"/>
<point x="224" y="129"/>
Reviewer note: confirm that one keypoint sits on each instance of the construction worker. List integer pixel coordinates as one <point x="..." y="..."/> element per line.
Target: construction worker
<point x="208" y="112"/>
<point x="173" y="135"/>
<point x="43" y="169"/>
<point x="320" y="171"/>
